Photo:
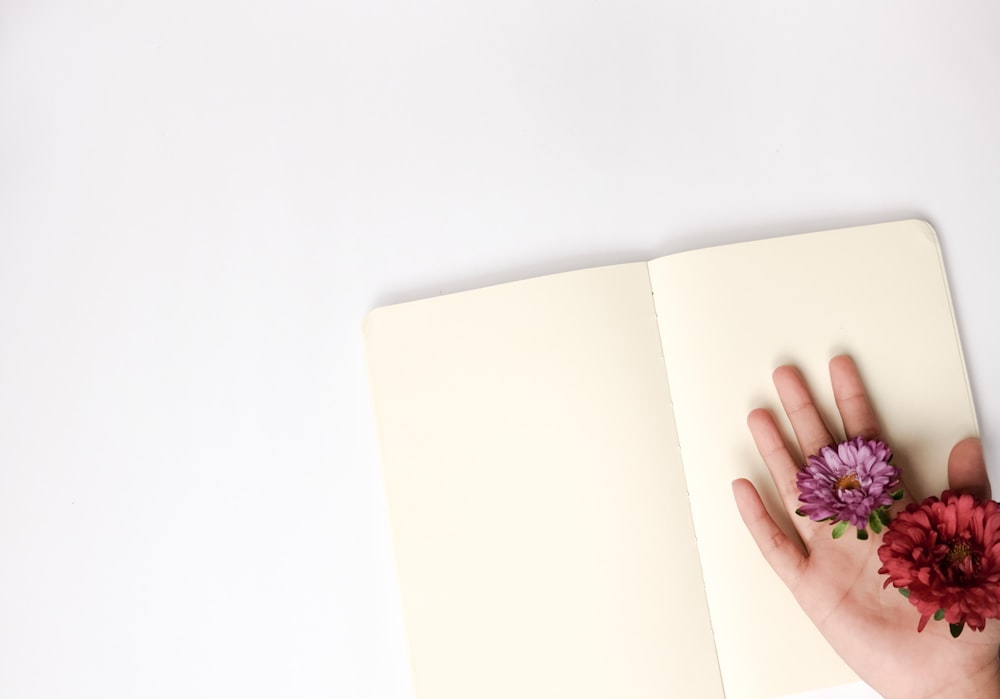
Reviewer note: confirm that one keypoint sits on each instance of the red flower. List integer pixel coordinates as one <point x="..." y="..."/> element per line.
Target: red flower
<point x="946" y="553"/>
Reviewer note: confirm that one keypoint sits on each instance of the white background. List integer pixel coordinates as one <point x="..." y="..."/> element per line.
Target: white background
<point x="199" y="201"/>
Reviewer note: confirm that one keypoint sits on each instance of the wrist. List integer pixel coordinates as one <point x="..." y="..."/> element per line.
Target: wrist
<point x="984" y="684"/>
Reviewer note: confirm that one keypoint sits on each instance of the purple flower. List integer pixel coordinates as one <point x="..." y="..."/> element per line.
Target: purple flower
<point x="848" y="483"/>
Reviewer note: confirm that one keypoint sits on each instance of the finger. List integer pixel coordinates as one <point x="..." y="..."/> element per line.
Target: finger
<point x="855" y="408"/>
<point x="779" y="461"/>
<point x="810" y="431"/>
<point x="778" y="550"/>
<point x="852" y="400"/>
<point x="967" y="469"/>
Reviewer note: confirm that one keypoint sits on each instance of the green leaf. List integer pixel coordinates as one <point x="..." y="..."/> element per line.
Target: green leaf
<point x="875" y="523"/>
<point x="863" y="534"/>
<point x="883" y="515"/>
<point x="898" y="494"/>
<point x="904" y="592"/>
<point x="838" y="529"/>
<point x="939" y="615"/>
<point x="800" y="513"/>
<point x="956" y="629"/>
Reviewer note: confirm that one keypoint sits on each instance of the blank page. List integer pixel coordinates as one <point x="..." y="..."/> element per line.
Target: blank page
<point x="539" y="512"/>
<point x="728" y="317"/>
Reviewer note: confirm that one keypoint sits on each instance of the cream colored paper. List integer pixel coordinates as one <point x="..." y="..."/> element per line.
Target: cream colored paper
<point x="728" y="316"/>
<point x="539" y="513"/>
<point x="532" y="452"/>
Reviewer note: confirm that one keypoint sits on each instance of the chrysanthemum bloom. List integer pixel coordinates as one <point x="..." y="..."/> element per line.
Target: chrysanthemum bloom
<point x="848" y="483"/>
<point x="946" y="553"/>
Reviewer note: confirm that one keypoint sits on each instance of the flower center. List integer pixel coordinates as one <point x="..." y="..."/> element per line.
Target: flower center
<point x="959" y="552"/>
<point x="848" y="482"/>
<point x="963" y="562"/>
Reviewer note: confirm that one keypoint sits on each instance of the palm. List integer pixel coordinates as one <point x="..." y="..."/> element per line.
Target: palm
<point x="836" y="582"/>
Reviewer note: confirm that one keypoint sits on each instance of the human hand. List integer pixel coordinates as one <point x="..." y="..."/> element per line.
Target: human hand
<point x="836" y="582"/>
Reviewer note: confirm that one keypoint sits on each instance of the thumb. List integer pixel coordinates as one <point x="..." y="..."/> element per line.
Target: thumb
<point x="967" y="469"/>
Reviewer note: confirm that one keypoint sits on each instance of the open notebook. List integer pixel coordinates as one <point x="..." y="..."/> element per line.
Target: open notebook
<point x="558" y="454"/>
